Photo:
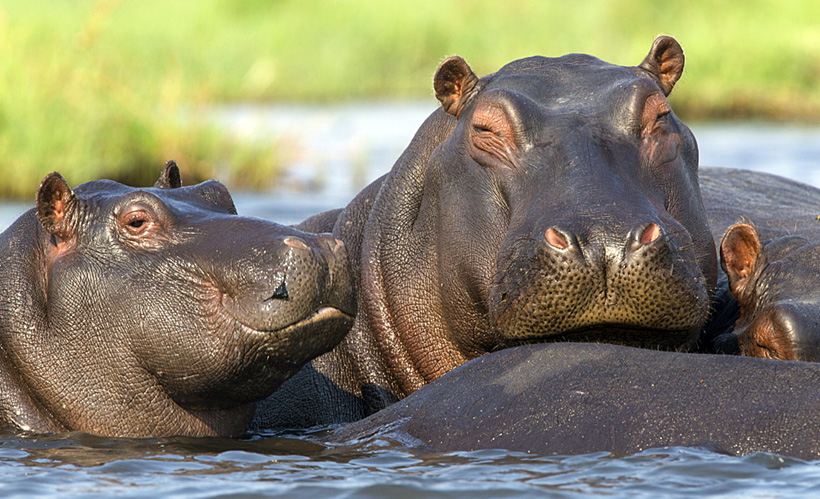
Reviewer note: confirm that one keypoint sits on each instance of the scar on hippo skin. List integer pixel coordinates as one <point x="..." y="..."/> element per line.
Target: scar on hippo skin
<point x="773" y="282"/>
<point x="158" y="311"/>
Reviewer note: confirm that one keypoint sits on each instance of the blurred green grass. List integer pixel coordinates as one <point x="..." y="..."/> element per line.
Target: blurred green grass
<point x="114" y="88"/>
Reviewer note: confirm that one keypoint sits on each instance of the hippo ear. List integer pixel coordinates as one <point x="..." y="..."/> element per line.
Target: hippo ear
<point x="454" y="84"/>
<point x="739" y="252"/>
<point x="56" y="204"/>
<point x="169" y="178"/>
<point x="665" y="62"/>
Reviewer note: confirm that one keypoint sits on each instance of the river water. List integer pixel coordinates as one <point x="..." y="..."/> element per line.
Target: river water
<point x="329" y="154"/>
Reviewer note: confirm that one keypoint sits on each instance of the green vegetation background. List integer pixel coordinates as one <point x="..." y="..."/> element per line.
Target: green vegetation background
<point x="113" y="88"/>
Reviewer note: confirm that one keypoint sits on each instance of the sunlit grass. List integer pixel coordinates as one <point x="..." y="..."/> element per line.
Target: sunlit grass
<point x="113" y="89"/>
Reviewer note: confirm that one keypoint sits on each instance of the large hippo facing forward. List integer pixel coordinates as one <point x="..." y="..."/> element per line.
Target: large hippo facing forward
<point x="556" y="199"/>
<point x="157" y="311"/>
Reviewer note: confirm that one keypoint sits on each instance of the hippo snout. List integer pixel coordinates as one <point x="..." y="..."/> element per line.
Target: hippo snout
<point x="294" y="278"/>
<point x="622" y="279"/>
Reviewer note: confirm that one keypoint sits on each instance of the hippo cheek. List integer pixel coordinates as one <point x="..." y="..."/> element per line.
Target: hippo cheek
<point x="653" y="296"/>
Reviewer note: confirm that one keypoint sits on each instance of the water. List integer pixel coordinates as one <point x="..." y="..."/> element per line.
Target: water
<point x="263" y="466"/>
<point x="330" y="153"/>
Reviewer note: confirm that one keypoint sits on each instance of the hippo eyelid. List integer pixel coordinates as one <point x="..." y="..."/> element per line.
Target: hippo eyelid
<point x="137" y="221"/>
<point x="655" y="109"/>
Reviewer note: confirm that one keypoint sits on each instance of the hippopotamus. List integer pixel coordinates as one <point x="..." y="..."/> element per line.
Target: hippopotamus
<point x="768" y="232"/>
<point x="554" y="200"/>
<point x="158" y="311"/>
<point x="577" y="398"/>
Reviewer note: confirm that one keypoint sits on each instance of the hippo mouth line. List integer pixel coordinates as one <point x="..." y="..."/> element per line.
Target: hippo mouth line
<point x="629" y="335"/>
<point x="321" y="315"/>
<point x="620" y="334"/>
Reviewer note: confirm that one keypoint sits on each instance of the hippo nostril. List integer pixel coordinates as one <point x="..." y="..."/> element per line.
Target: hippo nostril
<point x="295" y="242"/>
<point x="556" y="239"/>
<point x="281" y="293"/>
<point x="650" y="234"/>
<point x="644" y="236"/>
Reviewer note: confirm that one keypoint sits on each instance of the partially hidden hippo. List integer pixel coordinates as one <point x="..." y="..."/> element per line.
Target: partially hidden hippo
<point x="158" y="311"/>
<point x="554" y="200"/>
<point x="769" y="236"/>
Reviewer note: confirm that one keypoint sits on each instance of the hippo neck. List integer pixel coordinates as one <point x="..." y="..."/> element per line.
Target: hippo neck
<point x="399" y="303"/>
<point x="20" y="323"/>
<point x="18" y="408"/>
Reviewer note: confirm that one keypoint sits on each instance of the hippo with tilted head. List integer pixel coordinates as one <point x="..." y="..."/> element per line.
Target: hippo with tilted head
<point x="160" y="311"/>
<point x="554" y="200"/>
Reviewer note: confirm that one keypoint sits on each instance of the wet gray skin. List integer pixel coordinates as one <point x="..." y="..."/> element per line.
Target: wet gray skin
<point x="578" y="398"/>
<point x="770" y="286"/>
<point x="554" y="200"/>
<point x="158" y="311"/>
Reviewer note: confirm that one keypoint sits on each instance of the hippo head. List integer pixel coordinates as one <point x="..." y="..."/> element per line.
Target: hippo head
<point x="160" y="310"/>
<point x="774" y="283"/>
<point x="569" y="204"/>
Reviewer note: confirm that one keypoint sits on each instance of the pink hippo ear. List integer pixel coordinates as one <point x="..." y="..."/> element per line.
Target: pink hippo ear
<point x="454" y="84"/>
<point x="56" y="205"/>
<point x="739" y="252"/>
<point x="665" y="62"/>
<point x="169" y="178"/>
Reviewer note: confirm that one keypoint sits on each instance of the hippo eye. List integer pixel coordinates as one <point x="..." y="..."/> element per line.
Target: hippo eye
<point x="483" y="129"/>
<point x="655" y="115"/>
<point x="492" y="136"/>
<point x="136" y="222"/>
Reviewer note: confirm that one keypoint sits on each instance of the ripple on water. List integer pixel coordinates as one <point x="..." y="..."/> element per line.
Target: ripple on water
<point x="298" y="466"/>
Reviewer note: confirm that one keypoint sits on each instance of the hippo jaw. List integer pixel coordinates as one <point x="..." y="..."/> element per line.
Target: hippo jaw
<point x="287" y="348"/>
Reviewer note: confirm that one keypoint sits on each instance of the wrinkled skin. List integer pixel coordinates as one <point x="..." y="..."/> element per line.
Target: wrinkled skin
<point x="771" y="261"/>
<point x="158" y="311"/>
<point x="554" y="200"/>
<point x="578" y="398"/>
